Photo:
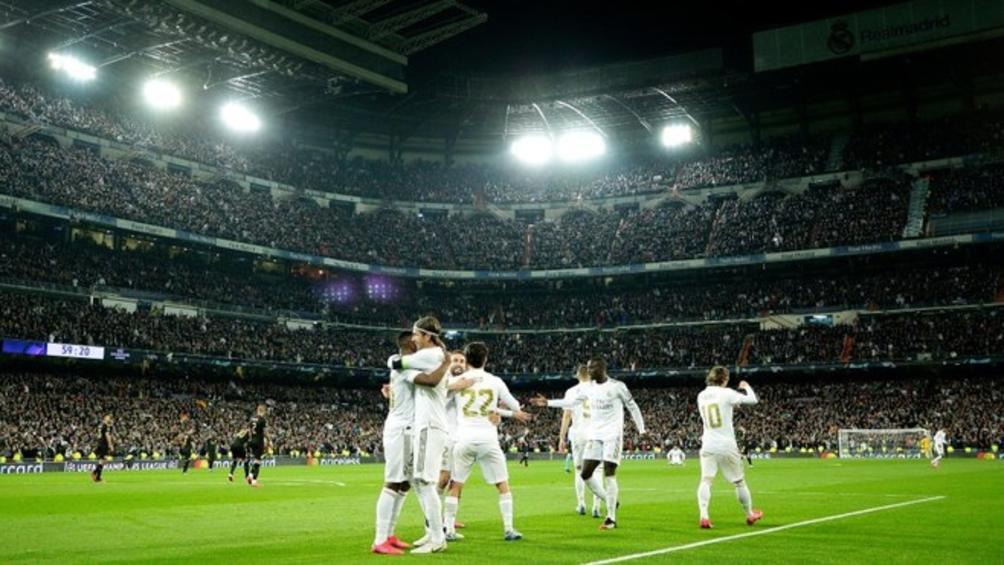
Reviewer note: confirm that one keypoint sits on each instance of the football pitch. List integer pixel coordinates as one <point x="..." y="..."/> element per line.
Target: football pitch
<point x="824" y="511"/>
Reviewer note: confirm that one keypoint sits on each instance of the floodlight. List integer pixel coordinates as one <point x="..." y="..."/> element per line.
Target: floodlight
<point x="576" y="146"/>
<point x="73" y="67"/>
<point x="161" y="95"/>
<point x="239" y="118"/>
<point x="532" y="149"/>
<point x="676" y="135"/>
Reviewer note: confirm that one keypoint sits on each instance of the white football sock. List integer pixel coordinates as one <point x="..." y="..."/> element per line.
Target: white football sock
<point x="612" y="491"/>
<point x="384" y="515"/>
<point x="505" y="506"/>
<point x="580" y="490"/>
<point x="745" y="498"/>
<point x="398" y="505"/>
<point x="596" y="487"/>
<point x="450" y="517"/>
<point x="704" y="498"/>
<point x="433" y="513"/>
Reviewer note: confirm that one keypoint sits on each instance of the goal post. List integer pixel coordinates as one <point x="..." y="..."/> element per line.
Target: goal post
<point x="892" y="443"/>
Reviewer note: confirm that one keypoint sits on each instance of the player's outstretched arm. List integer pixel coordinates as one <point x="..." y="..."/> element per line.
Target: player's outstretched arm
<point x="541" y="401"/>
<point x="514" y="408"/>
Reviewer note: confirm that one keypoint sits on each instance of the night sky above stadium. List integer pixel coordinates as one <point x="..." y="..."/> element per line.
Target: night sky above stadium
<point x="539" y="36"/>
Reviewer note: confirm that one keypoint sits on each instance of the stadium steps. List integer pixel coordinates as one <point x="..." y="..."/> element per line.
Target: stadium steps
<point x="528" y="246"/>
<point x="835" y="162"/>
<point x="744" y="353"/>
<point x="917" y="210"/>
<point x="26" y="130"/>
<point x="847" y="351"/>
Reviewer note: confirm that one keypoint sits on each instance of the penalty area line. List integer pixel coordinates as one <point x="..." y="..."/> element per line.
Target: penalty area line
<point x="694" y="545"/>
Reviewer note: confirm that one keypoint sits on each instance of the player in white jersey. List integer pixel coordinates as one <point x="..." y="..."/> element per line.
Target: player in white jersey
<point x="429" y="429"/>
<point x="397" y="439"/>
<point x="607" y="400"/>
<point x="574" y="425"/>
<point x="676" y="456"/>
<point x="940" y="440"/>
<point x="458" y="365"/>
<point x="478" y="440"/>
<point x="719" y="450"/>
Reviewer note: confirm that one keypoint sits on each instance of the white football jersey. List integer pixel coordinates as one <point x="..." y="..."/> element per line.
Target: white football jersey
<point x="676" y="455"/>
<point x="476" y="403"/>
<point x="580" y="411"/>
<point x="606" y="402"/>
<point x="430" y="401"/>
<point x="715" y="404"/>
<point x="401" y="413"/>
<point x="939" y="438"/>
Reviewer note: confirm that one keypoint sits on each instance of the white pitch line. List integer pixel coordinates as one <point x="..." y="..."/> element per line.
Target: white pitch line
<point x="676" y="548"/>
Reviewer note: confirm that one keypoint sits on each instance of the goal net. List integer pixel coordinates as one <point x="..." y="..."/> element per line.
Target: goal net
<point x="883" y="444"/>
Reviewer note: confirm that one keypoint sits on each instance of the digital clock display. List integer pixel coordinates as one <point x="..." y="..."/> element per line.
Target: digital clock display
<point x="74" y="351"/>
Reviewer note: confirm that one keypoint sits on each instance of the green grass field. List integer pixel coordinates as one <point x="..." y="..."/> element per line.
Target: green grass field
<point x="310" y="514"/>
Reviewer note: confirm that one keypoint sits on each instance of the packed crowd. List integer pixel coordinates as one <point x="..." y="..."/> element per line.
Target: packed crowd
<point x="285" y="161"/>
<point x="304" y="167"/>
<point x="893" y="337"/>
<point x="189" y="277"/>
<point x="58" y="414"/>
<point x="964" y="190"/>
<point x="820" y="216"/>
<point x="775" y="159"/>
<point x="881" y="145"/>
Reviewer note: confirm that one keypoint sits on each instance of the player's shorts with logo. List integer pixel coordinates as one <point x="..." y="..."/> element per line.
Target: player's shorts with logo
<point x="608" y="450"/>
<point x="427" y="456"/>
<point x="579" y="443"/>
<point x="730" y="464"/>
<point x="487" y="454"/>
<point x="448" y="463"/>
<point x="397" y="446"/>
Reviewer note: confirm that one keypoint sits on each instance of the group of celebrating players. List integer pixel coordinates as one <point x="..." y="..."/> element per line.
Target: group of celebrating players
<point x="443" y="418"/>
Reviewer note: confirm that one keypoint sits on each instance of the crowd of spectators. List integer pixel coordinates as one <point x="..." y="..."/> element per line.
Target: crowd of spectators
<point x="878" y="146"/>
<point x="58" y="414"/>
<point x="193" y="278"/>
<point x="964" y="190"/>
<point x="300" y="165"/>
<point x="775" y="159"/>
<point x="821" y="216"/>
<point x="937" y="335"/>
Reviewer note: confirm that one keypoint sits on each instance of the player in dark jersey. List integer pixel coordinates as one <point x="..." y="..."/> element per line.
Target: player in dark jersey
<point x="211" y="450"/>
<point x="524" y="452"/>
<point x="239" y="453"/>
<point x="186" y="450"/>
<point x="256" y="443"/>
<point x="745" y="446"/>
<point x="106" y="447"/>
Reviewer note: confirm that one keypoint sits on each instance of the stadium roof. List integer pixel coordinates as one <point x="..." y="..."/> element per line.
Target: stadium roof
<point x="444" y="68"/>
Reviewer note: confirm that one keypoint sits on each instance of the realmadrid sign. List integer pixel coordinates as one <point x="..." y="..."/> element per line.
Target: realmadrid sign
<point x="841" y="38"/>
